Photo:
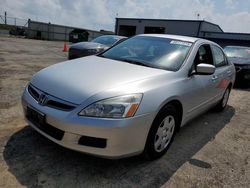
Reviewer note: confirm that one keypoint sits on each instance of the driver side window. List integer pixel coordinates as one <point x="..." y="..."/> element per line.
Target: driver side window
<point x="204" y="55"/>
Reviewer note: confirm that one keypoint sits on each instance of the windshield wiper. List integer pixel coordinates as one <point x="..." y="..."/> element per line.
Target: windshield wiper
<point x="132" y="61"/>
<point x="100" y="55"/>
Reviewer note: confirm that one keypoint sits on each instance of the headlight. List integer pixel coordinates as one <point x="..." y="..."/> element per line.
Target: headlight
<point x="96" y="50"/>
<point x="92" y="50"/>
<point x="116" y="107"/>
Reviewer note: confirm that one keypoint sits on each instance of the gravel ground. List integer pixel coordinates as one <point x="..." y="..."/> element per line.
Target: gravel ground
<point x="211" y="151"/>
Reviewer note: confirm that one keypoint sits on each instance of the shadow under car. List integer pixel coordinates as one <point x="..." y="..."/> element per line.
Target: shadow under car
<point x="36" y="161"/>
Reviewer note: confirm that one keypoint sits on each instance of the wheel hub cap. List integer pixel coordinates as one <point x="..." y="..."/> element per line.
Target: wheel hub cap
<point x="164" y="133"/>
<point x="225" y="98"/>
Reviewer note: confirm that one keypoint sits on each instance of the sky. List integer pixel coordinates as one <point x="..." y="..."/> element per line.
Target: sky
<point x="230" y="15"/>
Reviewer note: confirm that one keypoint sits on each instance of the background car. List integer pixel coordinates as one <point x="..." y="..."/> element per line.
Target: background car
<point x="240" y="57"/>
<point x="97" y="45"/>
<point x="130" y="99"/>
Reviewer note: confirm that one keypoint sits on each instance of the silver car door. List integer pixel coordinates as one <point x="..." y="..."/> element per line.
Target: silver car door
<point x="200" y="88"/>
<point x="222" y="73"/>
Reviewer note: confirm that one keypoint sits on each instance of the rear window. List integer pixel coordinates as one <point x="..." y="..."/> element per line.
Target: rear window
<point x="219" y="57"/>
<point x="106" y="40"/>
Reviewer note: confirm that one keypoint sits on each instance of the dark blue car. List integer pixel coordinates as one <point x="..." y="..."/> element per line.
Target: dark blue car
<point x="240" y="57"/>
<point x="95" y="46"/>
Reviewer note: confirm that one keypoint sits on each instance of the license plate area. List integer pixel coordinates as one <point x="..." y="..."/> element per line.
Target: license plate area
<point x="39" y="120"/>
<point x="36" y="117"/>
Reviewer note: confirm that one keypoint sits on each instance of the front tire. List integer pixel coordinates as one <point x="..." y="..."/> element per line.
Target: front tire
<point x="162" y="133"/>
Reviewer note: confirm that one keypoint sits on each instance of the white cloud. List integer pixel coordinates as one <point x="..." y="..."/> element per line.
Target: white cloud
<point x="231" y="4"/>
<point x="100" y="14"/>
<point x="239" y="22"/>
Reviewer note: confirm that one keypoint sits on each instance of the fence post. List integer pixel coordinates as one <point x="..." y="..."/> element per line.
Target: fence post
<point x="48" y="31"/>
<point x="65" y="37"/>
<point x="5" y="18"/>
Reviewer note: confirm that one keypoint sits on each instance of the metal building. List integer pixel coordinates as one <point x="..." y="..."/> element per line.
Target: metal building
<point x="48" y="31"/>
<point x="194" y="28"/>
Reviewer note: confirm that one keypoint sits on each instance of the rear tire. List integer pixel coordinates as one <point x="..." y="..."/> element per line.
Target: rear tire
<point x="161" y="133"/>
<point x="223" y="102"/>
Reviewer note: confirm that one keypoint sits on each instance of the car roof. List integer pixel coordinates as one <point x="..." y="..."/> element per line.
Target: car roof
<point x="117" y="36"/>
<point x="243" y="47"/>
<point x="177" y="37"/>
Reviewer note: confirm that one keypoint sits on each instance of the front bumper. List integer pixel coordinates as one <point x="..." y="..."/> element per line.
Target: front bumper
<point x="123" y="137"/>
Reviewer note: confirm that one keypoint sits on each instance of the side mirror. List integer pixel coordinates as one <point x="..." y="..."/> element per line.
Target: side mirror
<point x="205" y="69"/>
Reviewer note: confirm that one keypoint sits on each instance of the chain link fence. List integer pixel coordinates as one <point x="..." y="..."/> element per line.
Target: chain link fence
<point x="41" y="30"/>
<point x="13" y="21"/>
<point x="13" y="26"/>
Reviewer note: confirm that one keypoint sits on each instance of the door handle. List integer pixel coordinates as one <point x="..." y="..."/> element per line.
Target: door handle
<point x="229" y="73"/>
<point x="214" y="78"/>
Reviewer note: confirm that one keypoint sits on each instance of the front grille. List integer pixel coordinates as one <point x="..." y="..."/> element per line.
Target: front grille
<point x="93" y="142"/>
<point x="237" y="69"/>
<point x="33" y="93"/>
<point x="50" y="130"/>
<point x="58" y="105"/>
<point x="51" y="101"/>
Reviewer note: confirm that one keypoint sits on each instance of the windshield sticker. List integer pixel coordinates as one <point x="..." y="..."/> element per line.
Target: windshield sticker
<point x="181" y="43"/>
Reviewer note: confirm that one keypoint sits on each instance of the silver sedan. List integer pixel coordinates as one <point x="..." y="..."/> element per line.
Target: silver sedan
<point x="132" y="98"/>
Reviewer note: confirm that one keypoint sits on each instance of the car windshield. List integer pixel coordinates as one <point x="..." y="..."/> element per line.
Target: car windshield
<point x="234" y="51"/>
<point x="106" y="40"/>
<point x="156" y="52"/>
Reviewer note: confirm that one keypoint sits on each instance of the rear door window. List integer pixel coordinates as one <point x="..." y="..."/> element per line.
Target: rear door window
<point x="219" y="57"/>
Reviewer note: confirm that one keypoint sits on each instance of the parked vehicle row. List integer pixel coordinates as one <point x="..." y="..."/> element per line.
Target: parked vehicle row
<point x="130" y="99"/>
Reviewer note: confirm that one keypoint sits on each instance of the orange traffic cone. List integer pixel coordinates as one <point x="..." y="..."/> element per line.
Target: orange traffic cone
<point x="65" y="48"/>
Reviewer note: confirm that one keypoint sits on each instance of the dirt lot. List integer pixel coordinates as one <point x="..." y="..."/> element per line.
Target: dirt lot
<point x="211" y="151"/>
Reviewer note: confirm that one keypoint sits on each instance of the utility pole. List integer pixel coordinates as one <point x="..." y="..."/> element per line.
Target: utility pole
<point x="5" y="18"/>
<point x="198" y="16"/>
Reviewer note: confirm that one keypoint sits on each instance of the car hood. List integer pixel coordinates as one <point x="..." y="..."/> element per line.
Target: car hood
<point x="239" y="60"/>
<point x="87" y="45"/>
<point x="79" y="79"/>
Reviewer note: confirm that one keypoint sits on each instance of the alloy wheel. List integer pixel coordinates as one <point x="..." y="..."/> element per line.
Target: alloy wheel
<point x="225" y="98"/>
<point x="164" y="133"/>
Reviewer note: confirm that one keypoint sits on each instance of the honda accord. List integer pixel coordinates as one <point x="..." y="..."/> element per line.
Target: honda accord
<point x="130" y="99"/>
